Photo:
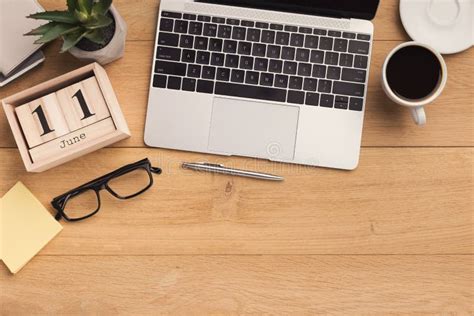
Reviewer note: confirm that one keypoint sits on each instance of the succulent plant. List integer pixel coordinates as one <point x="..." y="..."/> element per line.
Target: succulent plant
<point x="82" y="19"/>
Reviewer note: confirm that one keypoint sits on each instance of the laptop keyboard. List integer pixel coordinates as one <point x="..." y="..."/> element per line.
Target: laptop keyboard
<point x="257" y="60"/>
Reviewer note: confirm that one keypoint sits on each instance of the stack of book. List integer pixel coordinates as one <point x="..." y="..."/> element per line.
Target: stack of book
<point x="18" y="53"/>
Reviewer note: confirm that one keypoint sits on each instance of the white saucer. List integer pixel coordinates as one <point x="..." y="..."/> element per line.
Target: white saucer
<point x="445" y="25"/>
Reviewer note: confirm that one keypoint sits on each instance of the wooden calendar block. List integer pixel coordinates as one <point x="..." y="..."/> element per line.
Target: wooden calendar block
<point x="42" y="120"/>
<point x="65" y="118"/>
<point x="77" y="140"/>
<point x="83" y="104"/>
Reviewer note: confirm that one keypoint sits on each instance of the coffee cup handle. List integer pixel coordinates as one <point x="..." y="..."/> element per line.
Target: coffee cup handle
<point x="419" y="115"/>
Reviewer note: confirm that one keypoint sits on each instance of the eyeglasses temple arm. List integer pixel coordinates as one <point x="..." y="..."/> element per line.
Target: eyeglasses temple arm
<point x="155" y="170"/>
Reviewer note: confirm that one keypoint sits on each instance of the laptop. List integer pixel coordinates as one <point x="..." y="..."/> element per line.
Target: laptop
<point x="283" y="80"/>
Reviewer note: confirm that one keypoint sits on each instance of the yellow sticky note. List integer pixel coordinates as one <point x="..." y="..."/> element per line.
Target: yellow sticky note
<point x="25" y="227"/>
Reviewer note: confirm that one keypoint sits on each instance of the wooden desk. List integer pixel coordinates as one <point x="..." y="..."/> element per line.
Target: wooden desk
<point x="394" y="236"/>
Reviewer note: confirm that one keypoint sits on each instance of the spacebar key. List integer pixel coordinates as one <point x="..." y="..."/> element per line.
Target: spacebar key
<point x="251" y="92"/>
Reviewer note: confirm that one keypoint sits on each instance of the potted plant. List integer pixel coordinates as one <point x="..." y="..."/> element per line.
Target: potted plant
<point x="91" y="30"/>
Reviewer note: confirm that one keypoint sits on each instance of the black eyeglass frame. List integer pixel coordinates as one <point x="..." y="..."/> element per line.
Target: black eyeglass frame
<point x="102" y="183"/>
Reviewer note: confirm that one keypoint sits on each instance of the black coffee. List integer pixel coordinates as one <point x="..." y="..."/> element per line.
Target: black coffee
<point x="413" y="72"/>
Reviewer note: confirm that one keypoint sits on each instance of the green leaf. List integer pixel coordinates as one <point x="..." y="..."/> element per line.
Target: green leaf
<point x="55" y="32"/>
<point x="85" y="6"/>
<point x="71" y="39"/>
<point x="82" y="17"/>
<point x="99" y="22"/>
<point x="42" y="29"/>
<point x="96" y="36"/>
<point x="101" y="7"/>
<point x="55" y="16"/>
<point x="71" y="6"/>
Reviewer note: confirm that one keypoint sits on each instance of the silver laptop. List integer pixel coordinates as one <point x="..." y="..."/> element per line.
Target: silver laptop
<point x="283" y="80"/>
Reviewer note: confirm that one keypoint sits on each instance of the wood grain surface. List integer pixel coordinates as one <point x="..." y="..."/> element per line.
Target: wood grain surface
<point x="394" y="236"/>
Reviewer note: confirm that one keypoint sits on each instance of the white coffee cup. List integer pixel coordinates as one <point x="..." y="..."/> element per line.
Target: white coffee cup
<point x="416" y="106"/>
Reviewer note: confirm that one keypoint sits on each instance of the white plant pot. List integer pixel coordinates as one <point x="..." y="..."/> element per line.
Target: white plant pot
<point x="113" y="51"/>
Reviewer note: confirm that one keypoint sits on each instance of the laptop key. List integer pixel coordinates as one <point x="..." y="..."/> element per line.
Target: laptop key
<point x="209" y="72"/>
<point x="166" y="25"/>
<point x="311" y="41"/>
<point x="223" y="74"/>
<point x="261" y="64"/>
<point x="201" y="43"/>
<point x="334" y="73"/>
<point x="326" y="100"/>
<point x="277" y="27"/>
<point x="288" y="53"/>
<point x="210" y="30"/>
<point x="304" y="69"/>
<point x="356" y="104"/>
<point x="189" y="84"/>
<point x="290" y="28"/>
<point x="233" y="22"/>
<point x="345" y="60"/>
<point x="317" y="56"/>
<point x="324" y="86"/>
<point x="170" y="68"/>
<point x="282" y="38"/>
<point x="320" y="32"/>
<point x="361" y="61"/>
<point x="232" y="61"/>
<point x="217" y="59"/>
<point x="325" y="43"/>
<point x="247" y="23"/>
<point x="310" y="84"/>
<point x="273" y="51"/>
<point x="296" y="97"/>
<point x="168" y="39"/>
<point x="159" y="81"/>
<point x="205" y="86"/>
<point x="218" y="20"/>
<point x="204" y="18"/>
<point x="355" y="75"/>
<point x="246" y="62"/>
<point x="340" y="45"/>
<point x="186" y="41"/>
<point x="297" y="40"/>
<point x="244" y="48"/>
<point x="363" y="37"/>
<point x="259" y="50"/>
<point x="188" y="16"/>
<point x="319" y="71"/>
<point x="174" y="83"/>
<point x="358" y="47"/>
<point x="268" y="37"/>
<point x="302" y="54"/>
<point x="230" y="46"/>
<point x="350" y="89"/>
<point x="312" y="99"/>
<point x="348" y="35"/>
<point x="281" y="81"/>
<point x="251" y="92"/>
<point x="237" y="76"/>
<point x="266" y="79"/>
<point x="203" y="58"/>
<point x="168" y="53"/>
<point x="215" y="44"/>
<point x="224" y="31"/>
<point x="189" y="56"/>
<point x="181" y="26"/>
<point x="306" y="30"/>
<point x="195" y="28"/>
<point x="290" y="68"/>
<point x="275" y="66"/>
<point x="262" y="25"/>
<point x="341" y="102"/>
<point x="295" y="83"/>
<point x="194" y="71"/>
<point x="334" y="33"/>
<point x="238" y="33"/>
<point x="331" y="58"/>
<point x="171" y="14"/>
<point x="253" y="35"/>
<point x="251" y="77"/>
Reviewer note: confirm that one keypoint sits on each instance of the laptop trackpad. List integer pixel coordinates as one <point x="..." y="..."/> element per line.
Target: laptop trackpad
<point x="256" y="129"/>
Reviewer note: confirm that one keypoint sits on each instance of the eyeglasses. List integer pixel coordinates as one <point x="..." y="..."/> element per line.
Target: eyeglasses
<point x="124" y="183"/>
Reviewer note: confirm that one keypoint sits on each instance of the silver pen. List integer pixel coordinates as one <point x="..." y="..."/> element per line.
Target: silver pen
<point x="216" y="168"/>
